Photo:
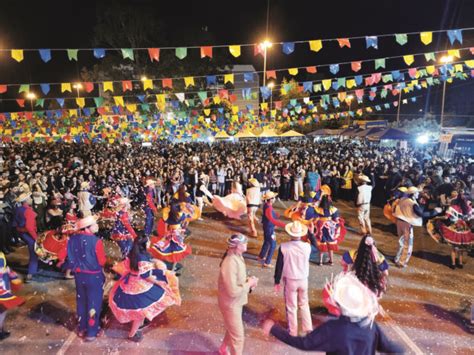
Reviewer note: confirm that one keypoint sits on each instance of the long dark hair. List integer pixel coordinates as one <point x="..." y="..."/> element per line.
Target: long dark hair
<point x="137" y="252"/>
<point x="366" y="270"/>
<point x="325" y="203"/>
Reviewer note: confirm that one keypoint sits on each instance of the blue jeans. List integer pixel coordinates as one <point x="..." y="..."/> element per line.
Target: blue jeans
<point x="149" y="219"/>
<point x="33" y="261"/>
<point x="89" y="293"/>
<point x="268" y="248"/>
<point x="221" y="188"/>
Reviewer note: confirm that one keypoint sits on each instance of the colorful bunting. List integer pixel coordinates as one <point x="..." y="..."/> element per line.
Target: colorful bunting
<point x="455" y="35"/>
<point x="99" y="53"/>
<point x="66" y="87"/>
<point x="154" y="54"/>
<point x="127" y="53"/>
<point x="108" y="86"/>
<point x="181" y="52"/>
<point x="344" y="42"/>
<point x="271" y="74"/>
<point x="315" y="45"/>
<point x="45" y="55"/>
<point x="235" y="51"/>
<point x="409" y="59"/>
<point x="311" y="70"/>
<point x="147" y="84"/>
<point x="379" y="63"/>
<point x="72" y="54"/>
<point x="293" y="71"/>
<point x="228" y="78"/>
<point x="371" y="41"/>
<point x="356" y="66"/>
<point x="17" y="54"/>
<point x="188" y="81"/>
<point x="167" y="83"/>
<point x="426" y="37"/>
<point x="206" y="52"/>
<point x="288" y="47"/>
<point x="401" y="38"/>
<point x="127" y="85"/>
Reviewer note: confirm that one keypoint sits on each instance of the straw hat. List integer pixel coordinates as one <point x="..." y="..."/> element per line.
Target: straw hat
<point x="412" y="190"/>
<point x="236" y="239"/>
<point x="296" y="229"/>
<point x="86" y="222"/>
<point x="254" y="182"/>
<point x="402" y="189"/>
<point x="84" y="185"/>
<point x="23" y="197"/>
<point x="364" y="178"/>
<point x="354" y="299"/>
<point x="149" y="182"/>
<point x="268" y="195"/>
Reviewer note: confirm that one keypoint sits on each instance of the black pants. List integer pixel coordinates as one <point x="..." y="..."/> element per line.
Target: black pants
<point x="5" y="236"/>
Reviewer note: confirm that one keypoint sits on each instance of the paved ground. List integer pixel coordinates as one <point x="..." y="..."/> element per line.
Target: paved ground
<point x="426" y="305"/>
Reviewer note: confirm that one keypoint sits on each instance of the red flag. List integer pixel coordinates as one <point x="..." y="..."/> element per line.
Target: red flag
<point x="102" y="110"/>
<point x="395" y="92"/>
<point x="271" y="74"/>
<point x="472" y="50"/>
<point x="29" y="115"/>
<point x="168" y="83"/>
<point x="311" y="70"/>
<point x="154" y="54"/>
<point x="258" y="49"/>
<point x="89" y="87"/>
<point x="206" y="52"/>
<point x="344" y="42"/>
<point x="223" y="94"/>
<point x="233" y="98"/>
<point x="277" y="105"/>
<point x="3" y="89"/>
<point x="2" y="117"/>
<point x="369" y="81"/>
<point x="412" y="72"/>
<point x="356" y="66"/>
<point x="126" y="85"/>
<point x="21" y="102"/>
<point x="377" y="77"/>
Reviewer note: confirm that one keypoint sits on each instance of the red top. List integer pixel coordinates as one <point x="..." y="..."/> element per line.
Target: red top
<point x="149" y="201"/>
<point x="30" y="222"/>
<point x="269" y="214"/>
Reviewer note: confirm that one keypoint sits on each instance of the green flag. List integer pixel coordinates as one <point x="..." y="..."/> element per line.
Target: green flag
<point x="98" y="101"/>
<point x="127" y="53"/>
<point x="24" y="88"/>
<point x="202" y="95"/>
<point x="181" y="52"/>
<point x="387" y="77"/>
<point x="401" y="39"/>
<point x="72" y="54"/>
<point x="430" y="56"/>
<point x="39" y="102"/>
<point x="379" y="63"/>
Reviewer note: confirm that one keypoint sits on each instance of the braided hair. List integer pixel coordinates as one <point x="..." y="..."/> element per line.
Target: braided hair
<point x="366" y="269"/>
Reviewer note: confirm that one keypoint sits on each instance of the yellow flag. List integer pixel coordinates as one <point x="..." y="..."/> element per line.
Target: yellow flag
<point x="316" y="45"/>
<point x="327" y="84"/>
<point x="424" y="84"/>
<point x="73" y="131"/>
<point x="409" y="59"/>
<point x="470" y="63"/>
<point x="131" y="107"/>
<point x="217" y="99"/>
<point x="108" y="85"/>
<point x="229" y="78"/>
<point x="188" y="81"/>
<point x="264" y="105"/>
<point x="430" y="69"/>
<point x="449" y="80"/>
<point x="207" y="111"/>
<point x="66" y="87"/>
<point x="8" y="132"/>
<point x="161" y="102"/>
<point x="235" y="51"/>
<point x="454" y="53"/>
<point x="235" y="109"/>
<point x="118" y="100"/>
<point x="458" y="68"/>
<point x="147" y="84"/>
<point x="111" y="140"/>
<point x="17" y="54"/>
<point x="426" y="37"/>
<point x="350" y="83"/>
<point x="72" y="112"/>
<point x="293" y="71"/>
<point x="81" y="102"/>
<point x="273" y="113"/>
<point x="282" y="91"/>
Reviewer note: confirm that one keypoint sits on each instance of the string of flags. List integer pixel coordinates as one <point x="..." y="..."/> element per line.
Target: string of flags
<point x="314" y="45"/>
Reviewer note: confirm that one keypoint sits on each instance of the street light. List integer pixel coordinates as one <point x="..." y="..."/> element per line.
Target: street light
<point x="349" y="99"/>
<point x="265" y="45"/>
<point x="271" y="85"/>
<point x="77" y="86"/>
<point x="31" y="96"/>
<point x="444" y="60"/>
<point x="143" y="78"/>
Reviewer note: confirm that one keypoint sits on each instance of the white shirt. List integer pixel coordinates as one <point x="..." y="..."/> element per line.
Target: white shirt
<point x="365" y="194"/>
<point x="295" y="259"/>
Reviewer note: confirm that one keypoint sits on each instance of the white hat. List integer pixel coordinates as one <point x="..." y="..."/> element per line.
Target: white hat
<point x="86" y="222"/>
<point x="236" y="239"/>
<point x="364" y="178"/>
<point x="269" y="194"/>
<point x="412" y="189"/>
<point x="354" y="298"/>
<point x="84" y="185"/>
<point x="254" y="182"/>
<point x="23" y="197"/>
<point x="149" y="182"/>
<point x="296" y="229"/>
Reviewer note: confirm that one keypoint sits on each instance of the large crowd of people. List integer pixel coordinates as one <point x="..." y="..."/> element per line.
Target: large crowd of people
<point x="54" y="197"/>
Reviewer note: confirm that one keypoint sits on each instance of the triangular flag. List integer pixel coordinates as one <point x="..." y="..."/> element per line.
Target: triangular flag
<point x="327" y="84"/>
<point x="469" y="63"/>
<point x="188" y="81"/>
<point x="24" y="88"/>
<point x="379" y="63"/>
<point x="350" y="83"/>
<point x="271" y="74"/>
<point x="409" y="59"/>
<point x="3" y="89"/>
<point x="118" y="100"/>
<point x="426" y="37"/>
<point x="21" y="102"/>
<point x="17" y="54"/>
<point x="99" y="53"/>
<point x="316" y="45"/>
<point x="311" y="70"/>
<point x="66" y="87"/>
<point x="454" y="53"/>
<point x="235" y="51"/>
<point x="180" y="96"/>
<point x="344" y="42"/>
<point x="288" y="47"/>
<point x="356" y="66"/>
<point x="89" y="87"/>
<point x="72" y="54"/>
<point x="430" y="56"/>
<point x="206" y="52"/>
<point x="334" y="68"/>
<point x="98" y="101"/>
<point x="167" y="83"/>
<point x="181" y="52"/>
<point x="154" y="54"/>
<point x="127" y="85"/>
<point x="108" y="86"/>
<point x="454" y="35"/>
<point x="45" y="88"/>
<point x="127" y="53"/>
<point x="148" y="84"/>
<point x="372" y="41"/>
<point x="228" y="78"/>
<point x="81" y="102"/>
<point x="430" y="69"/>
<point x="258" y="49"/>
<point x="401" y="38"/>
<point x="293" y="71"/>
<point x="39" y="102"/>
<point x="45" y="55"/>
<point x="60" y="102"/>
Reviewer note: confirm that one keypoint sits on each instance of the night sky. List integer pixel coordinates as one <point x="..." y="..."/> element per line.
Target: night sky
<point x="69" y="24"/>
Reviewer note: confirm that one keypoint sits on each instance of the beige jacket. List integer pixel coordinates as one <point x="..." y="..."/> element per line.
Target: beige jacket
<point x="232" y="285"/>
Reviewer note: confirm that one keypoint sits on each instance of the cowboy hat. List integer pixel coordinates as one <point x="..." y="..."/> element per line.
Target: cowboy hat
<point x="84" y="185"/>
<point x="236" y="239"/>
<point x="254" y="182"/>
<point x="86" y="222"/>
<point x="354" y="299"/>
<point x="412" y="190"/>
<point x="296" y="229"/>
<point x="149" y="182"/>
<point x="23" y="197"/>
<point x="402" y="189"/>
<point x="268" y="195"/>
<point x="364" y="178"/>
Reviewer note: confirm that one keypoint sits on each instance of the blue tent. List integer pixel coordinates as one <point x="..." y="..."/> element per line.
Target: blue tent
<point x="390" y="133"/>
